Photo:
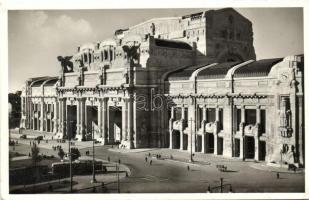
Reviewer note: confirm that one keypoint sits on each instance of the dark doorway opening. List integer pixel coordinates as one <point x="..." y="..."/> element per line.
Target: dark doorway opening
<point x="71" y="121"/>
<point x="262" y="150"/>
<point x="176" y="139"/>
<point x="220" y="146"/>
<point x="35" y="124"/>
<point x="209" y="143"/>
<point x="115" y="124"/>
<point x="198" y="143"/>
<point x="48" y="125"/>
<point x="185" y="142"/>
<point x="249" y="147"/>
<point x="237" y="148"/>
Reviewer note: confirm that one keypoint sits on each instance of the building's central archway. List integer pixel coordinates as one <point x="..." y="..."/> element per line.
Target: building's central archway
<point x="115" y="124"/>
<point x="71" y="120"/>
<point x="91" y="120"/>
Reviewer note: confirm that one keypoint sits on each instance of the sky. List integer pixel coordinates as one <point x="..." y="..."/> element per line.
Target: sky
<point x="37" y="37"/>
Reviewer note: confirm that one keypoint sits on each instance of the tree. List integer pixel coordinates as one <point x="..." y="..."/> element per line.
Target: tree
<point x="35" y="154"/>
<point x="61" y="153"/>
<point x="75" y="153"/>
<point x="15" y="101"/>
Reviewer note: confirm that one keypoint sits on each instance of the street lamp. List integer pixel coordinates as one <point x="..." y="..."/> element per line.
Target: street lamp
<point x="93" y="160"/>
<point x="70" y="154"/>
<point x="191" y="155"/>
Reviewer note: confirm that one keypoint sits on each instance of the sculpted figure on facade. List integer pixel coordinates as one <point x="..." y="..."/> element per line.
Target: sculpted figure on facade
<point x="66" y="64"/>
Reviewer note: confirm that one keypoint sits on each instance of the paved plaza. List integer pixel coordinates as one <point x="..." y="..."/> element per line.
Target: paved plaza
<point x="172" y="172"/>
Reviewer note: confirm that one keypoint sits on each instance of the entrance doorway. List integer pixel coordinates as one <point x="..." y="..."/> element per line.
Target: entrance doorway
<point x="92" y="120"/>
<point x="249" y="147"/>
<point x="262" y="150"/>
<point x="220" y="146"/>
<point x="185" y="142"/>
<point x="71" y="121"/>
<point x="198" y="143"/>
<point x="115" y="124"/>
<point x="176" y="139"/>
<point x="209" y="143"/>
<point x="237" y="148"/>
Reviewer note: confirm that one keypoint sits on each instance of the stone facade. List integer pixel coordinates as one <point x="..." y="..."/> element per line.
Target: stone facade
<point x="181" y="82"/>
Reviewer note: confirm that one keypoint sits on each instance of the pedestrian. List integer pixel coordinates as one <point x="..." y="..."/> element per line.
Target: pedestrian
<point x="109" y="159"/>
<point x="52" y="138"/>
<point x="29" y="154"/>
<point x="171" y="157"/>
<point x="188" y="168"/>
<point x="208" y="189"/>
<point x="119" y="161"/>
<point x="146" y="159"/>
<point x="150" y="162"/>
<point x="50" y="187"/>
<point x="30" y="142"/>
<point x="278" y="175"/>
<point x="231" y="189"/>
<point x="149" y="154"/>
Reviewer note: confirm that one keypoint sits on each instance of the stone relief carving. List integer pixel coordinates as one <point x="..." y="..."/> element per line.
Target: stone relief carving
<point x="285" y="119"/>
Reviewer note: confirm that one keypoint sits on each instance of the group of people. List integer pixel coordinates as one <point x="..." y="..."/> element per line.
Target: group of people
<point x="56" y="148"/>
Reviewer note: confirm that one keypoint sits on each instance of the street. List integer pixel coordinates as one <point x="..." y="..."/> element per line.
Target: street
<point x="168" y="175"/>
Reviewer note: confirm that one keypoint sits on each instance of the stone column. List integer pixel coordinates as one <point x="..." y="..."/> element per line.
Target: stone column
<point x="42" y="115"/>
<point x="216" y="132"/>
<point x="203" y="129"/>
<point x="171" y="127"/>
<point x="60" y="129"/>
<point x="78" y="109"/>
<point x="31" y="115"/>
<point x="130" y="122"/>
<point x="64" y="117"/>
<point x="182" y="127"/>
<point x="108" y="54"/>
<point x="124" y="120"/>
<point x="100" y="117"/>
<point x="82" y="118"/>
<point x="299" y="149"/>
<point x="192" y="126"/>
<point x="56" y="115"/>
<point x="105" y="121"/>
<point x="257" y="134"/>
<point x="242" y="135"/>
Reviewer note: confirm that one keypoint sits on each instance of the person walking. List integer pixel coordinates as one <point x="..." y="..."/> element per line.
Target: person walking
<point x="150" y="162"/>
<point x="146" y="159"/>
<point x="278" y="175"/>
<point x="188" y="168"/>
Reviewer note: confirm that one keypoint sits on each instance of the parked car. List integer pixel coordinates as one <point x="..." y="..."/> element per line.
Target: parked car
<point x="39" y="137"/>
<point x="24" y="136"/>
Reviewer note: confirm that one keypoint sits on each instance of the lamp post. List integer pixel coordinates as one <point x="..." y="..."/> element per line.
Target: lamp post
<point x="93" y="160"/>
<point x="191" y="155"/>
<point x="281" y="158"/>
<point x="70" y="154"/>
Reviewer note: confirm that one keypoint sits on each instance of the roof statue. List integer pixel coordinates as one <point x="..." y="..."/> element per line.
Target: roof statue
<point x="66" y="64"/>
